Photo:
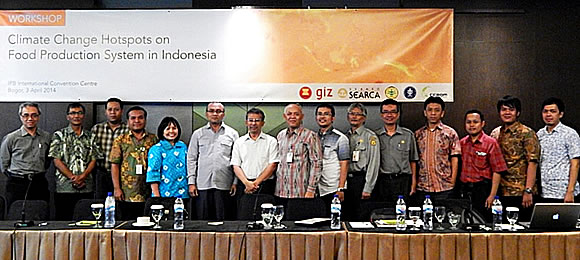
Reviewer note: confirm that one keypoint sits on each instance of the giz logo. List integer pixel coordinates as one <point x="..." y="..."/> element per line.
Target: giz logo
<point x="305" y="92"/>
<point x="323" y="92"/>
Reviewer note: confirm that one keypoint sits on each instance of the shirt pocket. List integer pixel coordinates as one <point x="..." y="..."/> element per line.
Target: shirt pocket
<point x="204" y="147"/>
<point x="480" y="161"/>
<point x="328" y="152"/>
<point x="403" y="148"/>
<point x="226" y="146"/>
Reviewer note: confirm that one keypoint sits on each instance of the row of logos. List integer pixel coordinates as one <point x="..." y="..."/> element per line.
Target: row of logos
<point x="410" y="92"/>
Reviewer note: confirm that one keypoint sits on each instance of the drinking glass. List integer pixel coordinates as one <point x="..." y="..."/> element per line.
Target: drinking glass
<point x="512" y="216"/>
<point x="453" y="219"/>
<point x="415" y="215"/>
<point x="156" y="214"/>
<point x="267" y="215"/>
<point x="439" y="212"/>
<point x="97" y="210"/>
<point x="278" y="215"/>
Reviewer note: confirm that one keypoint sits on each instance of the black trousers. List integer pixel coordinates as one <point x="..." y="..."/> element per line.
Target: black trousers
<point x="352" y="195"/>
<point x="214" y="204"/>
<point x="103" y="183"/>
<point x="390" y="186"/>
<point x="477" y="193"/>
<point x="16" y="189"/>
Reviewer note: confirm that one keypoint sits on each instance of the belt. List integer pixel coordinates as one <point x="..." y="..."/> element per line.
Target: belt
<point x="357" y="173"/>
<point x="392" y="175"/>
<point x="22" y="176"/>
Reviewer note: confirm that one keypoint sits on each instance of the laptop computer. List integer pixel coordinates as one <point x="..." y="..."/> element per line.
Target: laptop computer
<point x="555" y="216"/>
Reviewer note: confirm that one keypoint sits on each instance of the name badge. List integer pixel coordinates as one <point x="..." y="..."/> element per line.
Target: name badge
<point x="289" y="157"/>
<point x="139" y="169"/>
<point x="355" y="155"/>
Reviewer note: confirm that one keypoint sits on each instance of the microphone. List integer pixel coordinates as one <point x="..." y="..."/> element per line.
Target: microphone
<point x="23" y="222"/>
<point x="254" y="224"/>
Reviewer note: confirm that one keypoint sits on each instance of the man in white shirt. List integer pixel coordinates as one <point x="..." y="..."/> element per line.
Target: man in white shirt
<point x="255" y="157"/>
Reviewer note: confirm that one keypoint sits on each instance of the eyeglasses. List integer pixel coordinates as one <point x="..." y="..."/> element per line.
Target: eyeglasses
<point x="78" y="113"/>
<point x="217" y="111"/>
<point x="26" y="115"/>
<point x="324" y="114"/>
<point x="389" y="112"/>
<point x="355" y="114"/>
<point x="254" y="120"/>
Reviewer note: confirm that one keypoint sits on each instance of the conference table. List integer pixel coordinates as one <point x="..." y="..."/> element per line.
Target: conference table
<point x="232" y="240"/>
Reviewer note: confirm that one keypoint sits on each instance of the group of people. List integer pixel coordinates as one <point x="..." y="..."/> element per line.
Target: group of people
<point x="218" y="166"/>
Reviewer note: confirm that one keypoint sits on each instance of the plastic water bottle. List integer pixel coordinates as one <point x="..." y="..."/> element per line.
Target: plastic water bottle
<point x="401" y="211"/>
<point x="178" y="213"/>
<point x="335" y="208"/>
<point x="427" y="213"/>
<point x="497" y="212"/>
<point x="110" y="211"/>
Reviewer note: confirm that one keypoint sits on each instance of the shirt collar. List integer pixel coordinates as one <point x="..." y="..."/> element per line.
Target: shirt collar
<point x="261" y="136"/>
<point x="558" y="128"/>
<point x="69" y="129"/>
<point x="295" y="131"/>
<point x="23" y="131"/>
<point x="513" y="127"/>
<point x="327" y="131"/>
<point x="208" y="126"/>
<point x="167" y="145"/>
<point x="438" y="126"/>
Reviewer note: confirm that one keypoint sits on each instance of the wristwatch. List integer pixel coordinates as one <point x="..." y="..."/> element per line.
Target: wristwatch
<point x="341" y="189"/>
<point x="528" y="190"/>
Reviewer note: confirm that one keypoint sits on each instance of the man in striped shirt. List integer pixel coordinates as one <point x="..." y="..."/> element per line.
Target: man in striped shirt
<point x="300" y="158"/>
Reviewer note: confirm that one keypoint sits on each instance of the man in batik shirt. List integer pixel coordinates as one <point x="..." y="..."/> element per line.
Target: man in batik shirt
<point x="560" y="155"/>
<point x="129" y="164"/>
<point x="521" y="150"/>
<point x="74" y="151"/>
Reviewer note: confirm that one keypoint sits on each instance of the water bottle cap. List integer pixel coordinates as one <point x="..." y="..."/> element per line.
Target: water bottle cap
<point x="110" y="194"/>
<point x="179" y="196"/>
<point x="427" y="196"/>
<point x="496" y="197"/>
<point x="400" y="196"/>
<point x="336" y="195"/>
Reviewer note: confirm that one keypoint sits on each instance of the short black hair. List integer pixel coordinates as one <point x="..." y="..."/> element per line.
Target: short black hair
<point x="474" y="111"/>
<point x="511" y="102"/>
<point x="326" y="105"/>
<point x="136" y="108"/>
<point x="75" y="105"/>
<point x="114" y="99"/>
<point x="29" y="104"/>
<point x="256" y="111"/>
<point x="166" y="122"/>
<point x="390" y="101"/>
<point x="434" y="100"/>
<point x="555" y="101"/>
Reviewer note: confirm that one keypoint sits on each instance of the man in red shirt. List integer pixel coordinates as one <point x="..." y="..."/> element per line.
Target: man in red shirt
<point x="482" y="164"/>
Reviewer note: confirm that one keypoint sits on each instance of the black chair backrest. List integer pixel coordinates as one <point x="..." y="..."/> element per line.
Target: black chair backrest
<point x="167" y="203"/>
<point x="2" y="207"/>
<point x="82" y="210"/>
<point x="249" y="205"/>
<point x="34" y="210"/>
<point x="299" y="209"/>
<point x="367" y="208"/>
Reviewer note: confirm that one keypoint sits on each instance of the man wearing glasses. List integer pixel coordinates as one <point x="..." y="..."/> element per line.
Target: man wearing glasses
<point x="210" y="175"/>
<point x="255" y="157"/>
<point x="364" y="161"/>
<point x="399" y="155"/>
<point x="24" y="156"/>
<point x="75" y="153"/>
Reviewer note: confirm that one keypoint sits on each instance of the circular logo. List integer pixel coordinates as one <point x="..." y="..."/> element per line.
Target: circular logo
<point x="305" y="92"/>
<point x="410" y="92"/>
<point x="392" y="92"/>
<point x="342" y="93"/>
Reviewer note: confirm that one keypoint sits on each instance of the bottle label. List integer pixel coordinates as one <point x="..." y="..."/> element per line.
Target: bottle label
<point x="428" y="208"/>
<point x="496" y="210"/>
<point x="335" y="208"/>
<point x="401" y="209"/>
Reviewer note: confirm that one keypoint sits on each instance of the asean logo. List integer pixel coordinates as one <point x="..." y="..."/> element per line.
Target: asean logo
<point x="392" y="92"/>
<point x="305" y="92"/>
<point x="342" y="93"/>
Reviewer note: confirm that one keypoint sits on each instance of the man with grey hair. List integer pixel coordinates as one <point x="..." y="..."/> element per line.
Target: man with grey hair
<point x="24" y="156"/>
<point x="300" y="158"/>
<point x="210" y="175"/>
<point x="365" y="160"/>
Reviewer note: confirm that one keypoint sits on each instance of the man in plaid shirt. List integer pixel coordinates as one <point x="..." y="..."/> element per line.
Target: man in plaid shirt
<point x="482" y="164"/>
<point x="105" y="133"/>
